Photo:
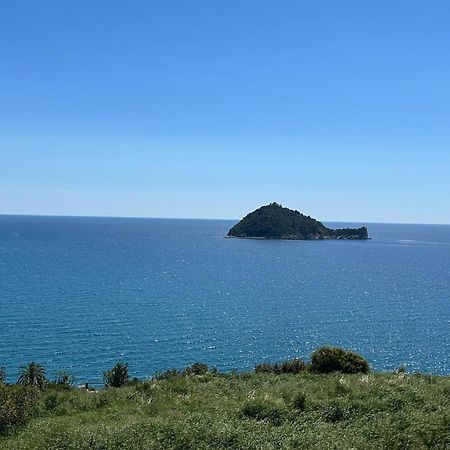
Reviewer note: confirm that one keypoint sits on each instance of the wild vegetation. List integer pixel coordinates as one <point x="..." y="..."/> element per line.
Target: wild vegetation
<point x="276" y="222"/>
<point x="286" y="405"/>
<point x="335" y="359"/>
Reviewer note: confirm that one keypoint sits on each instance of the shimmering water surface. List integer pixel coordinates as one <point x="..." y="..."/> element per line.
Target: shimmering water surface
<point x="78" y="294"/>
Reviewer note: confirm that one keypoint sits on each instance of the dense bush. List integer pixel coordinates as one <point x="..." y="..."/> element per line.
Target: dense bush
<point x="298" y="401"/>
<point x="264" y="368"/>
<point x="17" y="403"/>
<point x="196" y="369"/>
<point x="169" y="373"/>
<point x="264" y="409"/>
<point x="2" y="375"/>
<point x="51" y="400"/>
<point x="335" y="359"/>
<point x="334" y="412"/>
<point x="295" y="365"/>
<point x="117" y="376"/>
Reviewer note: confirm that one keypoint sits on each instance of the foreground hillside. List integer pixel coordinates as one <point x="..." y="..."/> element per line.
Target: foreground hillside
<point x="244" y="411"/>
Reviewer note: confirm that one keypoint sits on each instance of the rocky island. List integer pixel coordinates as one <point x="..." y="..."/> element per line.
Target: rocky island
<point x="276" y="222"/>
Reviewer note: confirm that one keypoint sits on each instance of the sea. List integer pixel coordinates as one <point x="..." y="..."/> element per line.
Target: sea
<point x="78" y="294"/>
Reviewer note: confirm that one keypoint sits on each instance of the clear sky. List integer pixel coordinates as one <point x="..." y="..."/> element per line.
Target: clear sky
<point x="208" y="109"/>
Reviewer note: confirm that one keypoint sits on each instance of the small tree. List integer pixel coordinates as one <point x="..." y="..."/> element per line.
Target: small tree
<point x="2" y="375"/>
<point x="32" y="374"/>
<point x="117" y="376"/>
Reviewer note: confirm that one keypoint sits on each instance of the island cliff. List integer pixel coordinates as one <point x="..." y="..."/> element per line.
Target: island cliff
<point x="276" y="222"/>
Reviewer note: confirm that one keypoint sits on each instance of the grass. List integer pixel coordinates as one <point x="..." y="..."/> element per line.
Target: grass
<point x="245" y="411"/>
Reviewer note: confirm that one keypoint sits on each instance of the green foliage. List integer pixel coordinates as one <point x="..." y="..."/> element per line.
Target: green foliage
<point x="275" y="222"/>
<point x="2" y="375"/>
<point x="169" y="373"/>
<point x="335" y="359"/>
<point x="295" y="365"/>
<point x="349" y="233"/>
<point x="264" y="409"/>
<point x="51" y="401"/>
<point x="264" y="368"/>
<point x="64" y="379"/>
<point x="299" y="401"/>
<point x="341" y="389"/>
<point x="33" y="374"/>
<point x="17" y="403"/>
<point x="117" y="376"/>
<point x="196" y="369"/>
<point x="334" y="412"/>
<point x="242" y="412"/>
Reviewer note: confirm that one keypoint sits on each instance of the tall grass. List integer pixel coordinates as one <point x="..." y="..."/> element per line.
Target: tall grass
<point x="244" y="411"/>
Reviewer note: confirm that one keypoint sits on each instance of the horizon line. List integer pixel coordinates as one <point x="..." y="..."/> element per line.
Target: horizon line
<point x="199" y="218"/>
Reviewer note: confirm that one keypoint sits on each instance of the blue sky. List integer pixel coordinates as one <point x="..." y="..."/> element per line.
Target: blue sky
<point x="209" y="109"/>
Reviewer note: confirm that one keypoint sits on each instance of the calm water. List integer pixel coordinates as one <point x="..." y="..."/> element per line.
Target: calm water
<point x="80" y="293"/>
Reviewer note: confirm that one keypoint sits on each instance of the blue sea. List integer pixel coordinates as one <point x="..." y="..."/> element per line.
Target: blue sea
<point x="79" y="294"/>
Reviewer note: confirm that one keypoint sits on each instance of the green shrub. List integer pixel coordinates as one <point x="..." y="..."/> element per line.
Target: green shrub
<point x="335" y="359"/>
<point x="135" y="381"/>
<point x="196" y="369"/>
<point x="64" y="379"/>
<point x="295" y="365"/>
<point x="51" y="401"/>
<point x="264" y="368"/>
<point x="169" y="373"/>
<point x="117" y="376"/>
<point x="333" y="412"/>
<point x="17" y="404"/>
<point x="2" y="375"/>
<point x="263" y="409"/>
<point x="178" y="385"/>
<point x="298" y="401"/>
<point x="105" y="397"/>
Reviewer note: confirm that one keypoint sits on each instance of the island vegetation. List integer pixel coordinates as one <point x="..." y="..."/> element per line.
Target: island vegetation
<point x="331" y="401"/>
<point x="276" y="222"/>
